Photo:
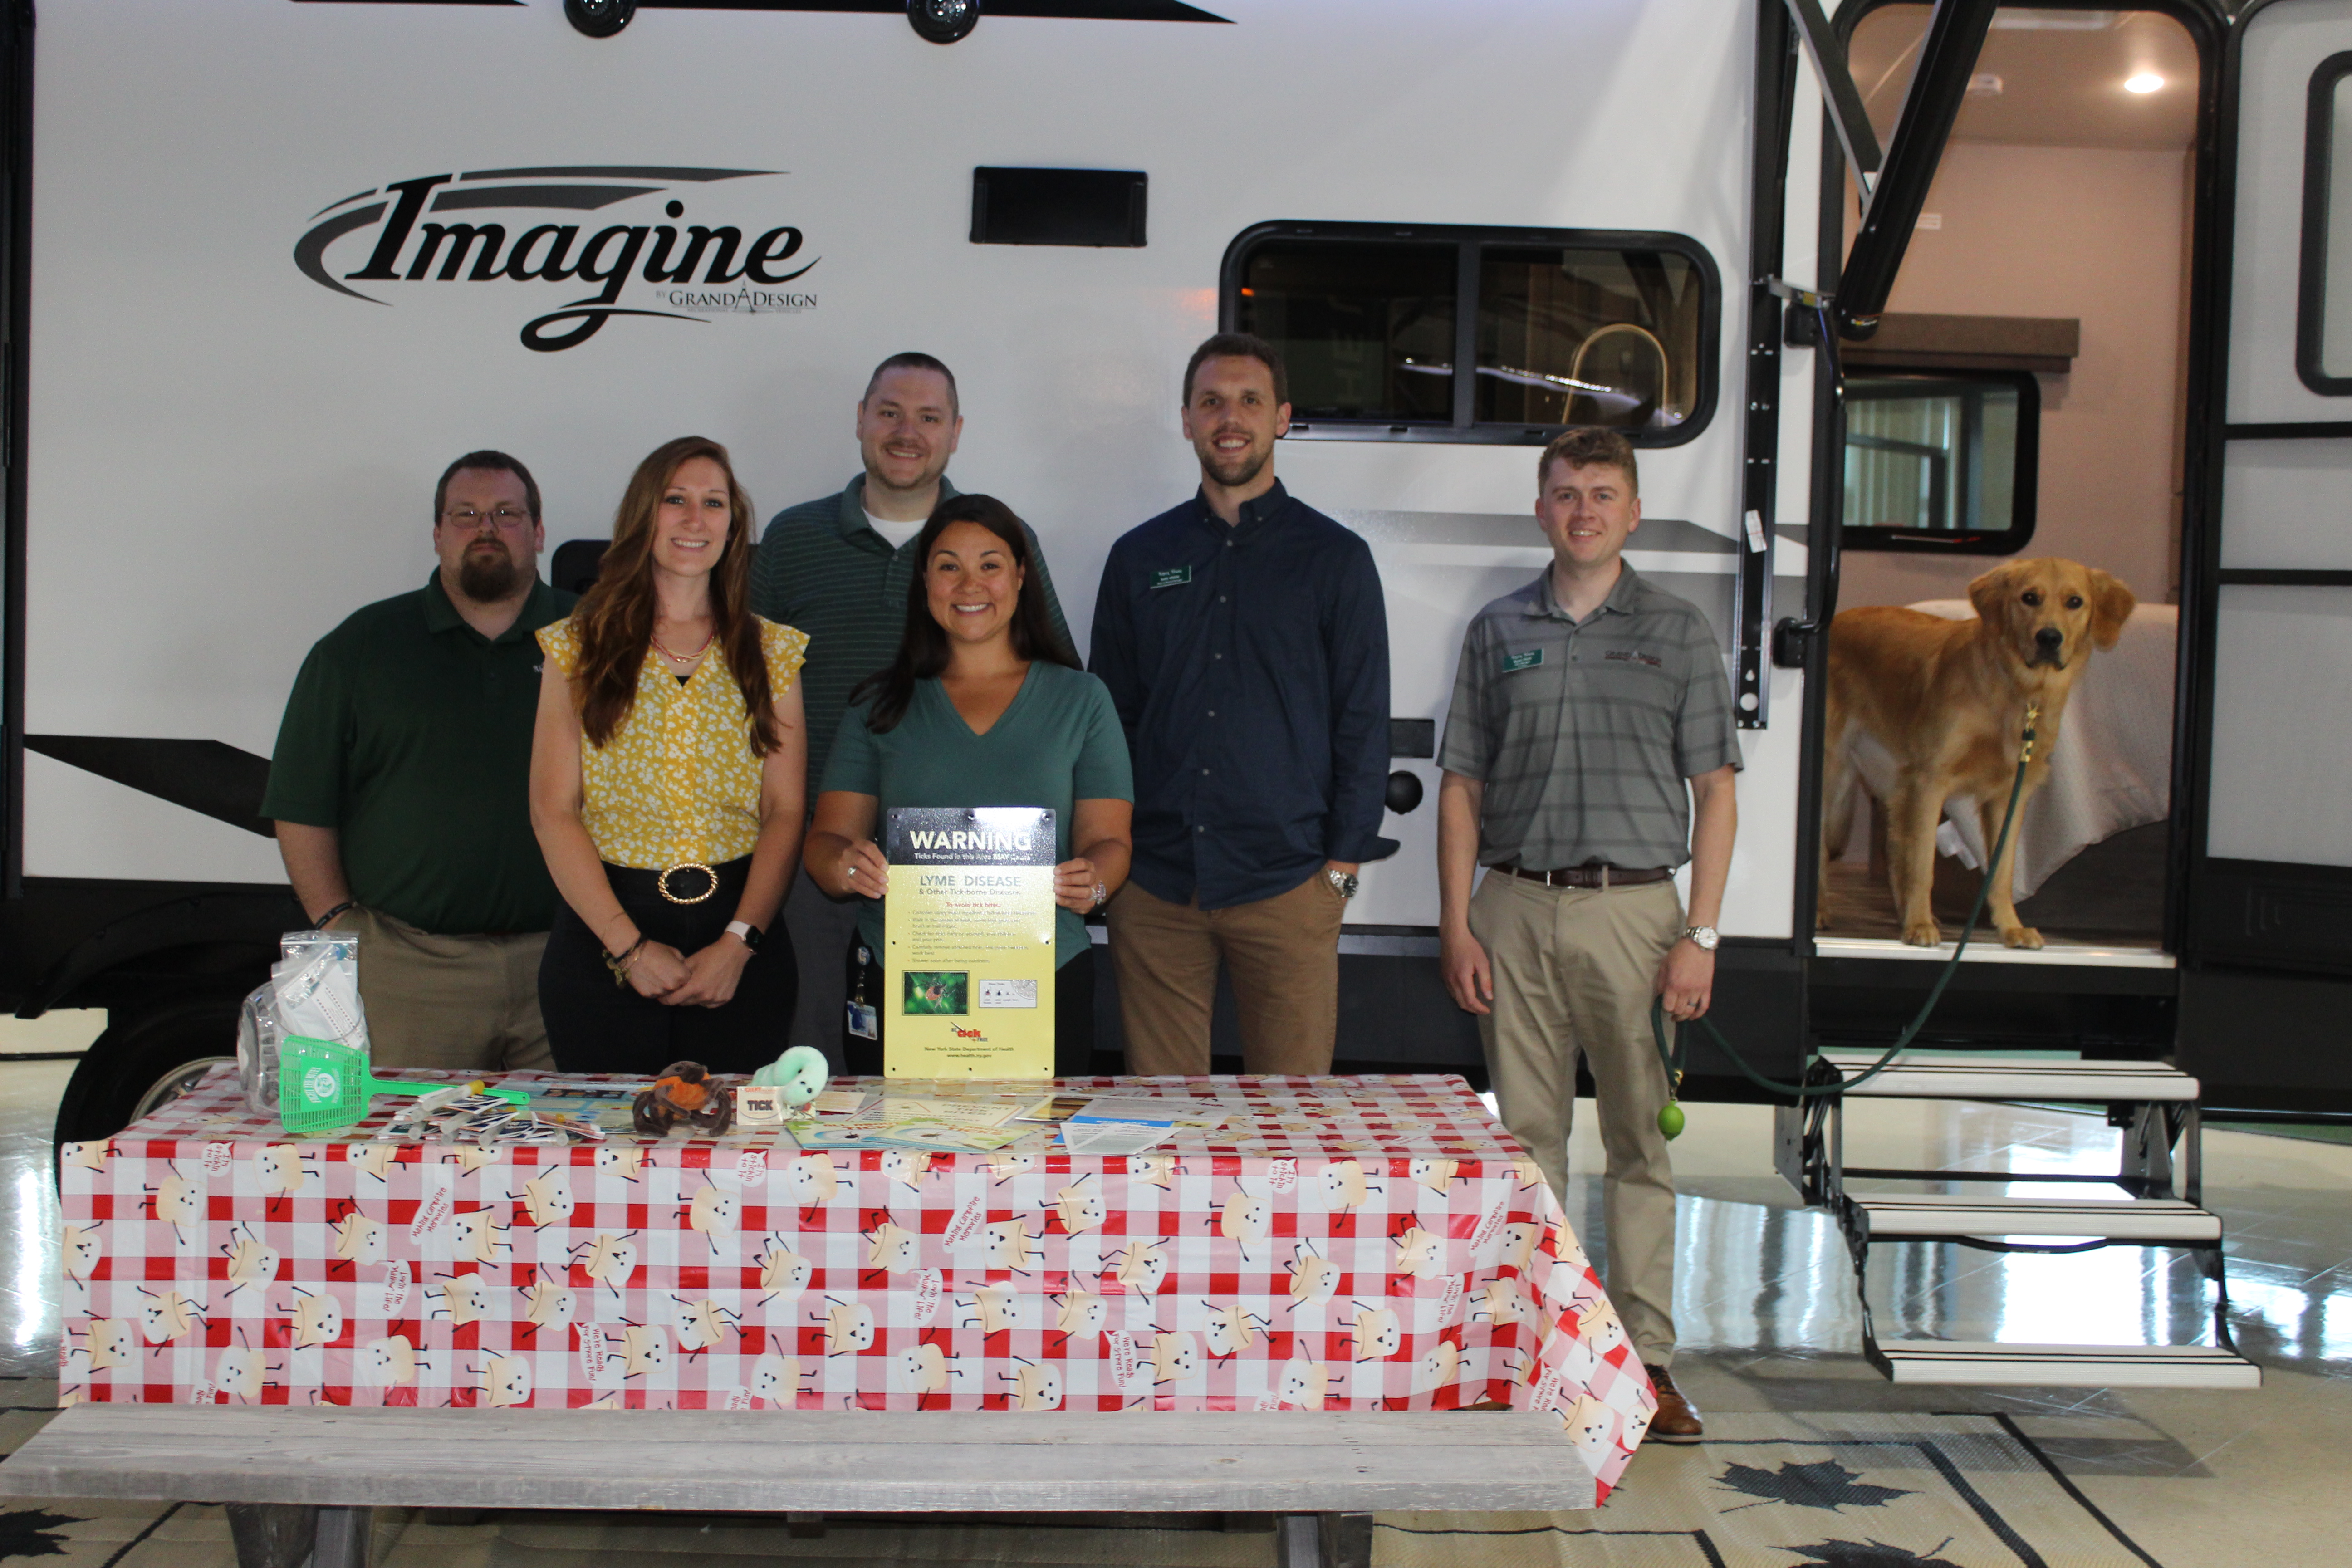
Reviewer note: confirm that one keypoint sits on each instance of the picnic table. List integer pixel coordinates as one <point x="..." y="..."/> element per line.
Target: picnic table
<point x="1337" y="1244"/>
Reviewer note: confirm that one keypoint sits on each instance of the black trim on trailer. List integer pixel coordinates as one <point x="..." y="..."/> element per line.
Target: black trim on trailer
<point x="1939" y="84"/>
<point x="2301" y="430"/>
<point x="1760" y="468"/>
<point x="1064" y="10"/>
<point x="2281" y="915"/>
<point x="2279" y="577"/>
<point x="1810" y="640"/>
<point x="2211" y="214"/>
<point x="2311" y="284"/>
<point x="1471" y="239"/>
<point x="212" y="777"/>
<point x="1847" y="114"/>
<point x="17" y="43"/>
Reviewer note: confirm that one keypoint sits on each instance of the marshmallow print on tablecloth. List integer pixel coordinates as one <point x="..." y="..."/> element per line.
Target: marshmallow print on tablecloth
<point x="1338" y="1244"/>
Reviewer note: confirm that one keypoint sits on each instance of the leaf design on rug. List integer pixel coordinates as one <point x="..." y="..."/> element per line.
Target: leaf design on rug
<point x="1877" y="1554"/>
<point x="1826" y="1484"/>
<point x="26" y="1532"/>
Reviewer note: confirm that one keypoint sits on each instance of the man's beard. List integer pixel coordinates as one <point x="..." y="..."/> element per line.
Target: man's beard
<point x="487" y="580"/>
<point x="1238" y="470"/>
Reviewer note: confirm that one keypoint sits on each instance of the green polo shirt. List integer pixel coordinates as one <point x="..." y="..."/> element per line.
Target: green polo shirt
<point x="1584" y="731"/>
<point x="409" y="734"/>
<point x="822" y="568"/>
<point x="1058" y="743"/>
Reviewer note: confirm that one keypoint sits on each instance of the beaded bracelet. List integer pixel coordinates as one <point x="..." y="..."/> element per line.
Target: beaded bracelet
<point x="620" y="966"/>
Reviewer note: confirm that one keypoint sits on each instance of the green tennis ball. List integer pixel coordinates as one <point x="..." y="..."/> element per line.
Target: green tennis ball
<point x="1670" y="1120"/>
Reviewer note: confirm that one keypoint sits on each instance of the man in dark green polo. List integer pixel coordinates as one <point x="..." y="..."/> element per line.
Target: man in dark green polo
<point x="401" y="781"/>
<point x="838" y="568"/>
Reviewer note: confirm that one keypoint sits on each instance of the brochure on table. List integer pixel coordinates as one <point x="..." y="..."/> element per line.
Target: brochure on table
<point x="968" y="942"/>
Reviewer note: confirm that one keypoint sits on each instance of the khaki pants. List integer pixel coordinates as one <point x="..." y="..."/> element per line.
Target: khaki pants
<point x="459" y="1004"/>
<point x="1574" y="971"/>
<point x="1284" y="953"/>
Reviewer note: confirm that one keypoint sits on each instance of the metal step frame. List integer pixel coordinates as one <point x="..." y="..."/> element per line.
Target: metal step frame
<point x="2155" y="1105"/>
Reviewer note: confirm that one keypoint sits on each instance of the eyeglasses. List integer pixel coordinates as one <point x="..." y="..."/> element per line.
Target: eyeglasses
<point x="505" y="517"/>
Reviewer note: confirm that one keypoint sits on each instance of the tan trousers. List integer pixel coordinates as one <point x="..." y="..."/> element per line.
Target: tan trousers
<point x="1284" y="953"/>
<point x="1574" y="971"/>
<point x="460" y="1003"/>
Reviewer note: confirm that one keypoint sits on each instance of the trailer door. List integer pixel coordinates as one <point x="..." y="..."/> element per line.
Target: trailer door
<point x="2266" y="924"/>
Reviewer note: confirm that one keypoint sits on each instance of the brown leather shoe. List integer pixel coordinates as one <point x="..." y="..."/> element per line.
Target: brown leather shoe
<point x="1677" y="1418"/>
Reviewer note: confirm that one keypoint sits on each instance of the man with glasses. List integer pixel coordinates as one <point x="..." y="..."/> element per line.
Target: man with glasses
<point x="400" y="787"/>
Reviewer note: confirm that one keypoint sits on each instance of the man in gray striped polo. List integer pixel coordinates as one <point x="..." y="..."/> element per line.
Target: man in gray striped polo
<point x="838" y="568"/>
<point x="1590" y="710"/>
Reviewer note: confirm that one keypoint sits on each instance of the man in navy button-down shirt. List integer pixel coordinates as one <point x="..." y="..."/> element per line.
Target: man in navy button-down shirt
<point x="1244" y="638"/>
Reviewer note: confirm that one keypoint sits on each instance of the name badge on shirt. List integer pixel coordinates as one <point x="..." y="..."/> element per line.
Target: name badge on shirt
<point x="1172" y="577"/>
<point x="1515" y="662"/>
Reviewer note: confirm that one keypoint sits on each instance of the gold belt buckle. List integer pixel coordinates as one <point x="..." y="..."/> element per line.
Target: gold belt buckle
<point x="661" y="883"/>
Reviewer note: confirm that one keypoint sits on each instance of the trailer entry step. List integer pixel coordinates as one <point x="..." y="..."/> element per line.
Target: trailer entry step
<point x="1947" y="1079"/>
<point x="2073" y="1367"/>
<point x="2151" y="1222"/>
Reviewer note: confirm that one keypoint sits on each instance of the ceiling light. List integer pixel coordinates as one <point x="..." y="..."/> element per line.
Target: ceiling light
<point x="2019" y="19"/>
<point x="2144" y="82"/>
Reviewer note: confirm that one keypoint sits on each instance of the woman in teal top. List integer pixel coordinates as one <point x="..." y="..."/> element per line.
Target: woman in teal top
<point x="984" y="705"/>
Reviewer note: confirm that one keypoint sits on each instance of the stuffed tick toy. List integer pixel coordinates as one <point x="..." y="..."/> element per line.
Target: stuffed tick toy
<point x="684" y="1092"/>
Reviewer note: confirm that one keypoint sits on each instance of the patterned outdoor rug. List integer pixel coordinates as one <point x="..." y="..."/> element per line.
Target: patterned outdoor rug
<point x="1764" y="1492"/>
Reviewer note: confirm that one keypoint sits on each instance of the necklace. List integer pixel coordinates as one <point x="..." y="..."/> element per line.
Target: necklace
<point x="685" y="658"/>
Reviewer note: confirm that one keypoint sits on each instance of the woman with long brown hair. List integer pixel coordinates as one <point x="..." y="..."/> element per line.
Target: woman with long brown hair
<point x="666" y="787"/>
<point x="984" y="705"/>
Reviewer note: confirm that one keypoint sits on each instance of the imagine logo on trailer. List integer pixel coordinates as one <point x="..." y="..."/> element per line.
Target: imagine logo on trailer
<point x="696" y="270"/>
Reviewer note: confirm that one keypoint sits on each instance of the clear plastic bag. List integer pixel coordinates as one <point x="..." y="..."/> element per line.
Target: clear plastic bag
<point x="313" y="991"/>
<point x="257" y="1037"/>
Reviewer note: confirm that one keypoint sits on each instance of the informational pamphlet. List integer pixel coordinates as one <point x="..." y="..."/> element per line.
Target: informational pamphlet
<point x="1113" y="1137"/>
<point x="968" y="942"/>
<point x="1152" y="1110"/>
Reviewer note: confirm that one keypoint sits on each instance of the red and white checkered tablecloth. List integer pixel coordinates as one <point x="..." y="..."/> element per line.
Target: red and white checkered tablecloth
<point x="1338" y="1244"/>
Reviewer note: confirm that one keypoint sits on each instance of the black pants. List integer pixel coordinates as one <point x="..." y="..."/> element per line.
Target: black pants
<point x="594" y="1025"/>
<point x="1074" y="1014"/>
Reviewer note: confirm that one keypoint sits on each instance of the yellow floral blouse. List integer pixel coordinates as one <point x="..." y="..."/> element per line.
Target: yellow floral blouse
<point x="678" y="784"/>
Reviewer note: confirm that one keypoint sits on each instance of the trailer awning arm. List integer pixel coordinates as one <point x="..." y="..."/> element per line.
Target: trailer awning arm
<point x="1832" y="69"/>
<point x="1956" y="35"/>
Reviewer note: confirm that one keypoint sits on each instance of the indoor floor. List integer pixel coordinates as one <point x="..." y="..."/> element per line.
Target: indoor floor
<point x="2185" y="1479"/>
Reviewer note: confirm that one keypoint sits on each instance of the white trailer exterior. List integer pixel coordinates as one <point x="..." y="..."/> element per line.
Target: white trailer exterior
<point x="229" y="394"/>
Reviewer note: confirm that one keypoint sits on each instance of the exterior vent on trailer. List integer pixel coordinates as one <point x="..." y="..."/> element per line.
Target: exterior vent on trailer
<point x="1058" y="206"/>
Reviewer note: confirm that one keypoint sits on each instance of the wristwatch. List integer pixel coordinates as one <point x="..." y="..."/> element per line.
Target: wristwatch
<point x="1703" y="935"/>
<point x="748" y="934"/>
<point x="1343" y="882"/>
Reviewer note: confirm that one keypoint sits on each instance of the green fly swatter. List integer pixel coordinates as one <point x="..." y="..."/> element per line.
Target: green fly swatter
<point x="324" y="1085"/>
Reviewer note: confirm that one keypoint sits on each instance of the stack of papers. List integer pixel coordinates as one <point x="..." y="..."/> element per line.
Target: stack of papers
<point x="910" y="1122"/>
<point x="1130" y="1124"/>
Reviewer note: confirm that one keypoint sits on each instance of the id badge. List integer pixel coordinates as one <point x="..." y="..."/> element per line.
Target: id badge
<point x="864" y="1021"/>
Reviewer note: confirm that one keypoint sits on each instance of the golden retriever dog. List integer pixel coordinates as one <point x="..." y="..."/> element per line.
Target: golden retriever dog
<point x="1948" y="701"/>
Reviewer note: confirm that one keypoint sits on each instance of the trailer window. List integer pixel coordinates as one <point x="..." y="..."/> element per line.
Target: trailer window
<point x="2323" y="346"/>
<point x="1558" y="327"/>
<point x="1943" y="462"/>
<point x="1588" y="337"/>
<point x="1367" y="331"/>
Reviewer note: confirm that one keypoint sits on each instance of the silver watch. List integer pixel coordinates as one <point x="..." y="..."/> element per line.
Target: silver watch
<point x="1343" y="882"/>
<point x="1703" y="935"/>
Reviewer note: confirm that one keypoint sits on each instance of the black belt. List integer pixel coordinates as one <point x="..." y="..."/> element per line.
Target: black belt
<point x="1593" y="876"/>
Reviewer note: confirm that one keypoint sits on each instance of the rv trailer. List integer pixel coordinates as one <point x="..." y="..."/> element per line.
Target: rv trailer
<point x="272" y="264"/>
